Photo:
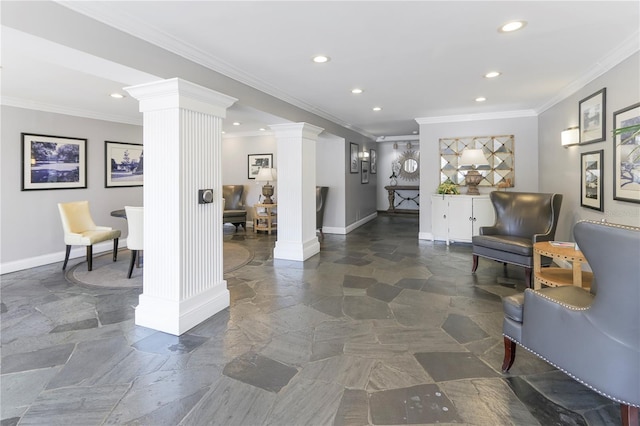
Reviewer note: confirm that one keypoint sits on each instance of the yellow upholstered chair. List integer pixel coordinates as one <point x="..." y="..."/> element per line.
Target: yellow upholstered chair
<point x="135" y="238"/>
<point x="80" y="230"/>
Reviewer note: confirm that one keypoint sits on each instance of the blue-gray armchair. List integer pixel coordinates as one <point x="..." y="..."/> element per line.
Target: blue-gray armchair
<point x="592" y="335"/>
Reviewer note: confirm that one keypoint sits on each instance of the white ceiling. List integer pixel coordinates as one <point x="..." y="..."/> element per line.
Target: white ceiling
<point x="415" y="59"/>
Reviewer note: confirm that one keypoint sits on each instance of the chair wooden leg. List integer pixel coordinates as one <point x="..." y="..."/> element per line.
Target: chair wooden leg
<point x="475" y="263"/>
<point x="89" y="258"/>
<point x="527" y="277"/>
<point x="629" y="415"/>
<point x="66" y="257"/>
<point x="509" y="354"/>
<point x="321" y="234"/>
<point x="132" y="262"/>
<point x="115" y="249"/>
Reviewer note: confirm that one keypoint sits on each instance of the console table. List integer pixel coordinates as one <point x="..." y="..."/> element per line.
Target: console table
<point x="393" y="192"/>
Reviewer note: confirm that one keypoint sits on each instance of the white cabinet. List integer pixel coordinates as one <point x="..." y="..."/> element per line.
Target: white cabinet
<point x="458" y="217"/>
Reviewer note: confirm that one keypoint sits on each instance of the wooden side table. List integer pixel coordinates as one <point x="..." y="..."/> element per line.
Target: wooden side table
<point x="264" y="217"/>
<point x="553" y="276"/>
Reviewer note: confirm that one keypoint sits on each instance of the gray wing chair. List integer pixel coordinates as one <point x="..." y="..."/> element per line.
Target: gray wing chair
<point x="522" y="219"/>
<point x="234" y="210"/>
<point x="593" y="336"/>
<point x="321" y="200"/>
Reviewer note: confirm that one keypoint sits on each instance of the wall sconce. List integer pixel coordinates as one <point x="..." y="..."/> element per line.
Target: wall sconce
<point x="570" y="136"/>
<point x="395" y="145"/>
<point x="408" y="145"/>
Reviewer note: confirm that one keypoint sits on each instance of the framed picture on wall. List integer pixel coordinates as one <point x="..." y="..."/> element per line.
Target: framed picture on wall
<point x="258" y="161"/>
<point x="591" y="189"/>
<point x="353" y="158"/>
<point x="626" y="154"/>
<point x="53" y="162"/>
<point x="373" y="156"/>
<point x="365" y="172"/>
<point x="592" y="113"/>
<point x="124" y="165"/>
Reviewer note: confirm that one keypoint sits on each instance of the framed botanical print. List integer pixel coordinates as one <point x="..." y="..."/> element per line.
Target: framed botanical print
<point x="53" y="162"/>
<point x="353" y="158"/>
<point x="593" y="113"/>
<point x="373" y="157"/>
<point x="591" y="189"/>
<point x="365" y="172"/>
<point x="626" y="154"/>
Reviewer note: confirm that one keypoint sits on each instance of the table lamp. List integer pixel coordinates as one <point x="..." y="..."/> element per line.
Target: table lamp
<point x="473" y="158"/>
<point x="266" y="174"/>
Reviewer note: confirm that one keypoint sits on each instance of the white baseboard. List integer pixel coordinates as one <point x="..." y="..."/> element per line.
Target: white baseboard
<point x="425" y="236"/>
<point x="47" y="259"/>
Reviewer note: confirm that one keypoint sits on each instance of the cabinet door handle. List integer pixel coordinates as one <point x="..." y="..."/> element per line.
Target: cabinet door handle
<point x="474" y="219"/>
<point x="444" y="216"/>
<point x="470" y="218"/>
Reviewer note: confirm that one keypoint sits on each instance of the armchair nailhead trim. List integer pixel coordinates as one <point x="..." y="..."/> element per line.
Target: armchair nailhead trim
<point x="565" y="305"/>
<point x="613" y="225"/>
<point x="572" y="376"/>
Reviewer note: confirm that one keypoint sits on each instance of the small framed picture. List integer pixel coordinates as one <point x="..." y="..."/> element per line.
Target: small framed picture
<point x="365" y="172"/>
<point x="592" y="112"/>
<point x="353" y="158"/>
<point x="374" y="161"/>
<point x="124" y="164"/>
<point x="626" y="154"/>
<point x="258" y="161"/>
<point x="53" y="162"/>
<point x="591" y="189"/>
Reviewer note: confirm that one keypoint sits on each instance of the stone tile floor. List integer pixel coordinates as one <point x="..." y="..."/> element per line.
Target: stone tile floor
<point x="379" y="328"/>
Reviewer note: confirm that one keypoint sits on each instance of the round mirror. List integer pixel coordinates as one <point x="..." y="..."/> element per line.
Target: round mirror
<point x="410" y="161"/>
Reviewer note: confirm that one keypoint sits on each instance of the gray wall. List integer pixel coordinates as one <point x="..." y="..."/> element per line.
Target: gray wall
<point x="560" y="167"/>
<point x="525" y="131"/>
<point x="30" y="223"/>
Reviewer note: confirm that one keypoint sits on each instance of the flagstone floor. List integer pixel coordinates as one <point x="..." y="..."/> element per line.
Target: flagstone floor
<point x="379" y="328"/>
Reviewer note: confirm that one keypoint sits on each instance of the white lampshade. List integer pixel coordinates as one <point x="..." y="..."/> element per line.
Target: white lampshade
<point x="473" y="157"/>
<point x="266" y="174"/>
<point x="570" y="136"/>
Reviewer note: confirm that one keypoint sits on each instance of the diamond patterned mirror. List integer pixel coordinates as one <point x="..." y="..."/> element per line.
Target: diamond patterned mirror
<point x="497" y="149"/>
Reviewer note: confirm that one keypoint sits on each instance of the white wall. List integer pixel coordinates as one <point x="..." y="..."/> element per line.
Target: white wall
<point x="330" y="157"/>
<point x="525" y="131"/>
<point x="30" y="223"/>
<point x="560" y="167"/>
<point x="361" y="197"/>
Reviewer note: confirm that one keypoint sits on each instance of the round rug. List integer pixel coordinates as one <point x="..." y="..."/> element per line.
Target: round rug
<point x="109" y="274"/>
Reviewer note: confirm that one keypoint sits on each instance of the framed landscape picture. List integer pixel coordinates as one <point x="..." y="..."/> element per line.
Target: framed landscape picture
<point x="53" y="162"/>
<point x="626" y="154"/>
<point x="592" y="113"/>
<point x="591" y="189"/>
<point x="124" y="165"/>
<point x="258" y="161"/>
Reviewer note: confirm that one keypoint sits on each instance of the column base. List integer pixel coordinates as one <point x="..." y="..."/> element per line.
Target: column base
<point x="177" y="317"/>
<point x="289" y="250"/>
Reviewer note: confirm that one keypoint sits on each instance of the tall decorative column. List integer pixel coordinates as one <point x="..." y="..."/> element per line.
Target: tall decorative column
<point x="296" y="191"/>
<point x="183" y="281"/>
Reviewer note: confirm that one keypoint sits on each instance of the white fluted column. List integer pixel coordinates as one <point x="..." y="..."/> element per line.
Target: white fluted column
<point x="296" y="192"/>
<point x="183" y="281"/>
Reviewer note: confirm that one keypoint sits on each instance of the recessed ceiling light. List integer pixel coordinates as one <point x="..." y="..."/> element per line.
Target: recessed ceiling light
<point x="415" y="132"/>
<point x="492" y="74"/>
<point x="117" y="95"/>
<point x="481" y="99"/>
<point x="321" y="59"/>
<point x="356" y="91"/>
<point x="236" y="123"/>
<point x="262" y="129"/>
<point x="512" y="26"/>
<point x="377" y="108"/>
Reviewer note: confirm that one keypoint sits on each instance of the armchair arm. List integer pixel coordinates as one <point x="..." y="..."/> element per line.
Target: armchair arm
<point x="103" y="228"/>
<point x="543" y="237"/>
<point x="488" y="230"/>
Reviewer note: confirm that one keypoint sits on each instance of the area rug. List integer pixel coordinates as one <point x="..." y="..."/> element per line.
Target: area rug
<point x="109" y="274"/>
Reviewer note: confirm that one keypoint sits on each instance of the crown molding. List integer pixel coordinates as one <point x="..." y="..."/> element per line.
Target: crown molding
<point x="477" y="117"/>
<point x="76" y="112"/>
<point x="407" y="138"/>
<point x="615" y="57"/>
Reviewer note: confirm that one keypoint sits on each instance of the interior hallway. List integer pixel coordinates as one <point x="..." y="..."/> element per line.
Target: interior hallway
<point x="379" y="328"/>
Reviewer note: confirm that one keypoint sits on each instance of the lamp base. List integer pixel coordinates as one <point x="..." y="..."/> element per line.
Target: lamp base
<point x="472" y="179"/>
<point x="267" y="191"/>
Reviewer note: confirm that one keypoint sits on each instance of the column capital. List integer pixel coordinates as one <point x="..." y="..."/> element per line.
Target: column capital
<point x="303" y="130"/>
<point x="178" y="93"/>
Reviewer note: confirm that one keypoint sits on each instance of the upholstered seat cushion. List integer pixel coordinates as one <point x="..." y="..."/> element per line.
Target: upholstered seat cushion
<point x="89" y="238"/>
<point x="512" y="244"/>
